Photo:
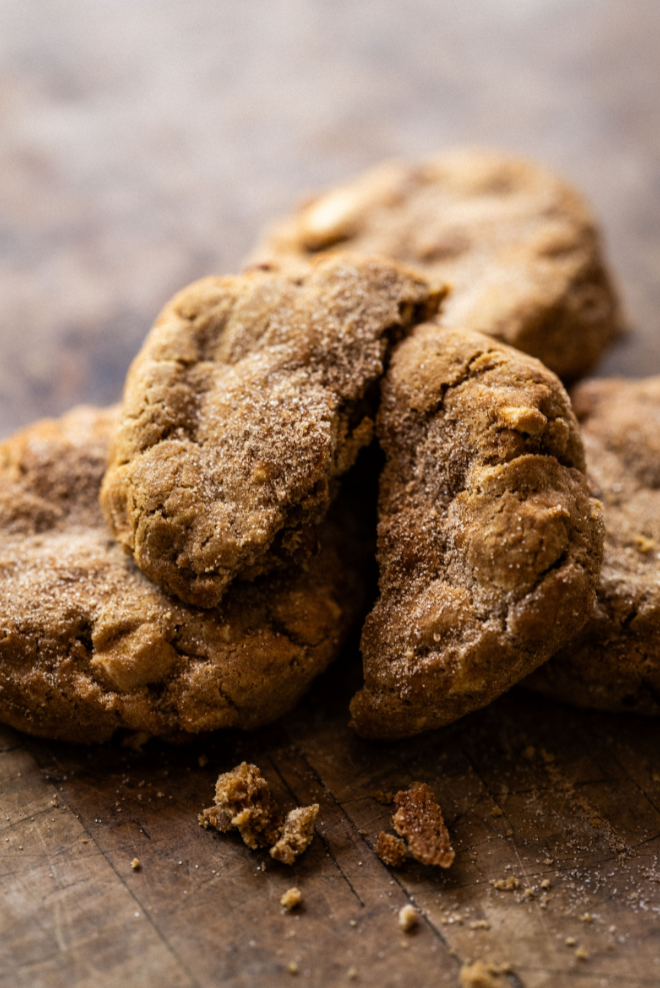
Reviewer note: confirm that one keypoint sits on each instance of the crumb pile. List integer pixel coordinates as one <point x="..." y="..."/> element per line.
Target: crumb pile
<point x="244" y="802"/>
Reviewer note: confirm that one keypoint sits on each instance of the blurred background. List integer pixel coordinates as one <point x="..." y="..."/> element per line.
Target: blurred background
<point x="144" y="142"/>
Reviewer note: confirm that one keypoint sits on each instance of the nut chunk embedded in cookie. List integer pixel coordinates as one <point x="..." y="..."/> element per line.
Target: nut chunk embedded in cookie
<point x="614" y="663"/>
<point x="517" y="244"/>
<point x="489" y="544"/>
<point x="250" y="397"/>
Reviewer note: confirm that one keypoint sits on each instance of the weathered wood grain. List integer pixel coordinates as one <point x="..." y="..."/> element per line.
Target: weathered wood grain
<point x="142" y="145"/>
<point x="580" y="809"/>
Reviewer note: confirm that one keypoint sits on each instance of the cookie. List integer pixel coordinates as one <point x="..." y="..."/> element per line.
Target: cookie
<point x="489" y="544"/>
<point x="90" y="646"/>
<point x="614" y="664"/>
<point x="518" y="245"/>
<point x="249" y="399"/>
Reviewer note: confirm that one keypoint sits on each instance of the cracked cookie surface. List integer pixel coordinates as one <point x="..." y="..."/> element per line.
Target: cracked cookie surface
<point x="614" y="664"/>
<point x="89" y="645"/>
<point x="250" y="397"/>
<point x="489" y="544"/>
<point x="518" y="245"/>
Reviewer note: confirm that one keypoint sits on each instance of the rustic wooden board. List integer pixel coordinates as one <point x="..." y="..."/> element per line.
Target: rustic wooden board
<point x="143" y="145"/>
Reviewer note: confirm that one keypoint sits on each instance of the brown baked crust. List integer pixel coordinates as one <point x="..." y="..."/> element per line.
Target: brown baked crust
<point x="89" y="645"/>
<point x="517" y="244"/>
<point x="489" y="545"/>
<point x="250" y="397"/>
<point x="614" y="664"/>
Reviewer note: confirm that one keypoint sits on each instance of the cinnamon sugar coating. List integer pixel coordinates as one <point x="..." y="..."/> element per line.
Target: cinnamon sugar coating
<point x="614" y="663"/>
<point x="489" y="544"/>
<point x="89" y="645"/>
<point x="249" y="399"/>
<point x="517" y="244"/>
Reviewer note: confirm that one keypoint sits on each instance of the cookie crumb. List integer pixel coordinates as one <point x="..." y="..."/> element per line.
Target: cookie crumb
<point x="586" y="918"/>
<point x="391" y="850"/>
<point x="505" y="884"/>
<point x="483" y="975"/>
<point x="496" y="811"/>
<point x="203" y="761"/>
<point x="545" y="884"/>
<point x="480" y="924"/>
<point x="408" y="918"/>
<point x="419" y="819"/>
<point x="135" y="864"/>
<point x="243" y="801"/>
<point x="581" y="954"/>
<point x="351" y="973"/>
<point x="297" y="834"/>
<point x="644" y="544"/>
<point x="570" y="941"/>
<point x="382" y="797"/>
<point x="293" y="968"/>
<point x="548" y="861"/>
<point x="291" y="898"/>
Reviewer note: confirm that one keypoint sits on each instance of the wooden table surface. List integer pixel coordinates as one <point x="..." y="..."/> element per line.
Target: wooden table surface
<point x="143" y="144"/>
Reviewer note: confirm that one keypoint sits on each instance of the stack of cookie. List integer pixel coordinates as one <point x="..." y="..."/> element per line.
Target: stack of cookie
<point x="192" y="559"/>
